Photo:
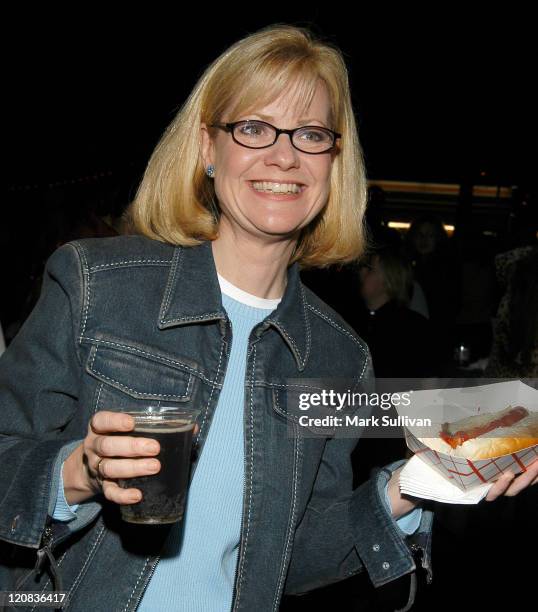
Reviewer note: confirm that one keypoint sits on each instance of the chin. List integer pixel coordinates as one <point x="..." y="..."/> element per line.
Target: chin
<point x="277" y="226"/>
<point x="278" y="229"/>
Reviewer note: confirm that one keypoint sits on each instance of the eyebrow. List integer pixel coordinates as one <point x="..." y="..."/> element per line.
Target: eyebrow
<point x="302" y="121"/>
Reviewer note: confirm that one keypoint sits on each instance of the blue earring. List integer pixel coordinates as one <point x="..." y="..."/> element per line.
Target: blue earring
<point x="210" y="171"/>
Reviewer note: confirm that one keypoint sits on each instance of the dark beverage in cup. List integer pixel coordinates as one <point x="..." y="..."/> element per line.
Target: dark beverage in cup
<point x="164" y="493"/>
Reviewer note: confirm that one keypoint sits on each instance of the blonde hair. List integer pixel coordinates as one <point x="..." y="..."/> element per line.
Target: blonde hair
<point x="397" y="275"/>
<point x="176" y="201"/>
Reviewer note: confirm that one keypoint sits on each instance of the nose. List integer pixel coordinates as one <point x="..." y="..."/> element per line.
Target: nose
<point x="282" y="153"/>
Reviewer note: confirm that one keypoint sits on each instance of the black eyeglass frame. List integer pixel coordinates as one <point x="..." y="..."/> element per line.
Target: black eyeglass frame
<point x="230" y="127"/>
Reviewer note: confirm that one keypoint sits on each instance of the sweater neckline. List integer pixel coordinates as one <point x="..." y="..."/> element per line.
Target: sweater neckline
<point x="246" y="298"/>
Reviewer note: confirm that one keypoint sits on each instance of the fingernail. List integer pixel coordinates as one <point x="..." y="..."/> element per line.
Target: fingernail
<point x="151" y="447"/>
<point x="152" y="466"/>
<point x="135" y="497"/>
<point x="126" y="422"/>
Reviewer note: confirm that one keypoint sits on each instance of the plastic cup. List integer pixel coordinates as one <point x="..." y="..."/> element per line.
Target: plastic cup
<point x="164" y="493"/>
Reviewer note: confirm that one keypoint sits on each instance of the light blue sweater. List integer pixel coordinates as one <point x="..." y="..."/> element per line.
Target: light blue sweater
<point x="196" y="571"/>
<point x="197" y="575"/>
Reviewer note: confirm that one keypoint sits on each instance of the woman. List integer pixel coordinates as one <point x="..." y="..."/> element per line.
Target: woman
<point x="228" y="209"/>
<point x="400" y="340"/>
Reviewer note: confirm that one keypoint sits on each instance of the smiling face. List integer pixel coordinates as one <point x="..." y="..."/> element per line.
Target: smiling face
<point x="271" y="193"/>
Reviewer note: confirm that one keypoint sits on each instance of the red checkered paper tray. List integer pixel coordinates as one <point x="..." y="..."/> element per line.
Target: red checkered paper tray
<point x="448" y="405"/>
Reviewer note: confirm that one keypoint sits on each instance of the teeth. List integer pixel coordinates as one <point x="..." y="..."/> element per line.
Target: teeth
<point x="276" y="187"/>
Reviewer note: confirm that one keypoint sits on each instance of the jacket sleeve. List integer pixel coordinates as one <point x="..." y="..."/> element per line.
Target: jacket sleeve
<point x="344" y="532"/>
<point x="40" y="423"/>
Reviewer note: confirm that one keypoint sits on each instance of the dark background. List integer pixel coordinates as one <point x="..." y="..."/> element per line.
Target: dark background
<point x="442" y="97"/>
<point x="437" y="97"/>
<point x="445" y="97"/>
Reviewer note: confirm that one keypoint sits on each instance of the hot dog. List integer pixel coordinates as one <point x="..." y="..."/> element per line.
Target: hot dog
<point x="488" y="435"/>
<point x="473" y="427"/>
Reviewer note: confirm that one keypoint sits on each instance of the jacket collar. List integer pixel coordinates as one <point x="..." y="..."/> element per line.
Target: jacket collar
<point x="193" y="295"/>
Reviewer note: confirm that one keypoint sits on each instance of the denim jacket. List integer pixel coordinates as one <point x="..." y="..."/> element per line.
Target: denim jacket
<point x="128" y="319"/>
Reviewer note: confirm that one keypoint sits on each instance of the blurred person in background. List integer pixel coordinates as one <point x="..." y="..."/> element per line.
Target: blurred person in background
<point x="400" y="340"/>
<point x="437" y="271"/>
<point x="514" y="351"/>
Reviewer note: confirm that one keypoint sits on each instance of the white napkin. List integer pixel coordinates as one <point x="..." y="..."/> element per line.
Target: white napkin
<point x="421" y="480"/>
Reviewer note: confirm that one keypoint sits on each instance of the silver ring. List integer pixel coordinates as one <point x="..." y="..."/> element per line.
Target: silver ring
<point x="99" y="476"/>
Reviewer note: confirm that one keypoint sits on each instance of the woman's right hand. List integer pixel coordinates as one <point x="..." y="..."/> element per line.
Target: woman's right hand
<point x="103" y="457"/>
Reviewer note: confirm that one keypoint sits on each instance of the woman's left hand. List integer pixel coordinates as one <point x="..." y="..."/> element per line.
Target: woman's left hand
<point x="510" y="485"/>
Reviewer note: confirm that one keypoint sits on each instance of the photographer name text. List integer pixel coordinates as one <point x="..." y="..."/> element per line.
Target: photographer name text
<point x="356" y="421"/>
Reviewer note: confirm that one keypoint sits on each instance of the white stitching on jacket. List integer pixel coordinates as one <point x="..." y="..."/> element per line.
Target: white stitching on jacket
<point x="86" y="275"/>
<point x="240" y="582"/>
<point x="344" y="331"/>
<point x="77" y="347"/>
<point x="291" y="519"/>
<point x="133" y="349"/>
<point x="122" y="386"/>
<point x="212" y="389"/>
<point x="96" y="407"/>
<point x="171" y="280"/>
<point x="100" y="536"/>
<point x="307" y="325"/>
<point x="208" y="315"/>
<point x="129" y="261"/>
<point x="136" y="584"/>
<point x="264" y="383"/>
<point x="292" y="341"/>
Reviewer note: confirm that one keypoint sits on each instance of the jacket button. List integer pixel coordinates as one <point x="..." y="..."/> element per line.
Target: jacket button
<point x="15" y="522"/>
<point x="376" y="547"/>
<point x="385" y="565"/>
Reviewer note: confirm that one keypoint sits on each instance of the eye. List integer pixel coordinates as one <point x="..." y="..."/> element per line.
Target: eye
<point x="252" y="129"/>
<point x="314" y="135"/>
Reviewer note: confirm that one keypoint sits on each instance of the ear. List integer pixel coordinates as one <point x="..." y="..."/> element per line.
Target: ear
<point x="207" y="147"/>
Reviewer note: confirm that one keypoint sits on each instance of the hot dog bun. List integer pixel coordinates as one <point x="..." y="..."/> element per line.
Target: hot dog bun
<point x="501" y="440"/>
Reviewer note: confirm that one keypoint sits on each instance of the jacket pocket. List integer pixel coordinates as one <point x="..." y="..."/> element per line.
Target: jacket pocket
<point x="310" y="422"/>
<point x="141" y="375"/>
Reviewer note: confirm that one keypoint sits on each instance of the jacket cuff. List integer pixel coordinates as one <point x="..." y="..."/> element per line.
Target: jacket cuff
<point x="380" y="543"/>
<point x="409" y="522"/>
<point x="24" y="516"/>
<point x="85" y="512"/>
<point x="62" y="510"/>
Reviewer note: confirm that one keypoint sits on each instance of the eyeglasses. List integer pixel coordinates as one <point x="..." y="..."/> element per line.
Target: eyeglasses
<point x="255" y="134"/>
